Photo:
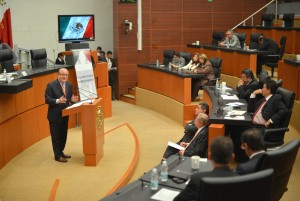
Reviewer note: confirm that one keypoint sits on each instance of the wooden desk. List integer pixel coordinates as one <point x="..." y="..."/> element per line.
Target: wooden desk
<point x="292" y="35"/>
<point x="289" y="72"/>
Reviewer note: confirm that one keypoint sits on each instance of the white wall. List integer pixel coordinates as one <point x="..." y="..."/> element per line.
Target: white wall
<point x="34" y="22"/>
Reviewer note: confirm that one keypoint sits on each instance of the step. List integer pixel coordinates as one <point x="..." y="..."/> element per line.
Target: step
<point x="131" y="91"/>
<point x="128" y="98"/>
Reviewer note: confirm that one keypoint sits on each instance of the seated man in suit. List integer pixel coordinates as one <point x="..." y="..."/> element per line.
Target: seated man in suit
<point x="199" y="143"/>
<point x="231" y="40"/>
<point x="247" y="84"/>
<point x="221" y="154"/>
<point x="60" y="59"/>
<point x="189" y="130"/>
<point x="253" y="144"/>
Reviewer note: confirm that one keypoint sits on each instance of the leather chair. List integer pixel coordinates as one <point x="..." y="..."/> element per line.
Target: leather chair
<point x="38" y="58"/>
<point x="272" y="60"/>
<point x="217" y="68"/>
<point x="254" y="41"/>
<point x="186" y="56"/>
<point x="256" y="186"/>
<point x="263" y="76"/>
<point x="274" y="137"/>
<point x="279" y="82"/>
<point x="268" y="19"/>
<point x="6" y="60"/>
<point x="282" y="161"/>
<point x="217" y="36"/>
<point x="242" y="38"/>
<point x="288" y="19"/>
<point x="168" y="56"/>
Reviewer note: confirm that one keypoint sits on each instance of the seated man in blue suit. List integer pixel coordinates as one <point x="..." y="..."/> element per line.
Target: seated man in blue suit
<point x="221" y="154"/>
<point x="247" y="84"/>
<point x="253" y="145"/>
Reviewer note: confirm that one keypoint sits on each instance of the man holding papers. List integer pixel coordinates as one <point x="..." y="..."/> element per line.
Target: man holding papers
<point x="58" y="96"/>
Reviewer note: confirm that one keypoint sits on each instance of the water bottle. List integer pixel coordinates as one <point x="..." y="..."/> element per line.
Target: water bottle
<point x="170" y="67"/>
<point x="245" y="46"/>
<point x="283" y="24"/>
<point x="217" y="84"/>
<point x="154" y="179"/>
<point x="157" y="63"/>
<point x="263" y="23"/>
<point x="164" y="171"/>
<point x="4" y="73"/>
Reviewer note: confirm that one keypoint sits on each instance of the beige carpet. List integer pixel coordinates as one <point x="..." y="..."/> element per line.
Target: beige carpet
<point x="31" y="175"/>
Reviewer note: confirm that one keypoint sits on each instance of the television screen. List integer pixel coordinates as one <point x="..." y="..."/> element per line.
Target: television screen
<point x="76" y="28"/>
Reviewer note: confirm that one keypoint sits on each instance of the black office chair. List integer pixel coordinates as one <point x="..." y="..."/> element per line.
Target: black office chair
<point x="242" y="38"/>
<point x="288" y="19"/>
<point x="256" y="186"/>
<point x="274" y="137"/>
<point x="254" y="41"/>
<point x="282" y="161"/>
<point x="186" y="56"/>
<point x="168" y="56"/>
<point x="6" y="60"/>
<point x="262" y="77"/>
<point x="217" y="36"/>
<point x="279" y="83"/>
<point x="38" y="58"/>
<point x="267" y="19"/>
<point x="272" y="60"/>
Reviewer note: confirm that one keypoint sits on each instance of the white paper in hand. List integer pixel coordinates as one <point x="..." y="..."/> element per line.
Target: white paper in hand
<point x="174" y="145"/>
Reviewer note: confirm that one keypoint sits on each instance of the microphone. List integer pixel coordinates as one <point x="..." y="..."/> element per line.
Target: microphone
<point x="90" y="100"/>
<point x="88" y="92"/>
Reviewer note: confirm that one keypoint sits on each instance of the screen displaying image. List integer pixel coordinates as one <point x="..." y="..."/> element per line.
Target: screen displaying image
<point x="76" y="28"/>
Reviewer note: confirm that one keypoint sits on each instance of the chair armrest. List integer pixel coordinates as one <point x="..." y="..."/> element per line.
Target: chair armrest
<point x="270" y="131"/>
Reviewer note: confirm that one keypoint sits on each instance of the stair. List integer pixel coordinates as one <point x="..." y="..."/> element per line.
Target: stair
<point x="130" y="97"/>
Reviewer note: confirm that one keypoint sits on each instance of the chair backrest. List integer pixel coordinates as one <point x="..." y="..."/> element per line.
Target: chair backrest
<point x="262" y="77"/>
<point x="38" y="58"/>
<point x="216" y="37"/>
<point x="256" y="186"/>
<point x="254" y="40"/>
<point x="6" y="60"/>
<point x="186" y="56"/>
<point x="282" y="161"/>
<point x="279" y="83"/>
<point x="217" y="66"/>
<point x="288" y="19"/>
<point x="168" y="56"/>
<point x="242" y="38"/>
<point x="268" y="19"/>
<point x="282" y="46"/>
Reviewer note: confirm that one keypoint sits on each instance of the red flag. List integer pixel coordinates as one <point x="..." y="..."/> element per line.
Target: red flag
<point x="5" y="25"/>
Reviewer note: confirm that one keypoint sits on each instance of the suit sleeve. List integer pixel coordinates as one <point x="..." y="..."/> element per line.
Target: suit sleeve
<point x="245" y="93"/>
<point x="282" y="111"/>
<point x="189" y="193"/>
<point x="200" y="146"/>
<point x="49" y="95"/>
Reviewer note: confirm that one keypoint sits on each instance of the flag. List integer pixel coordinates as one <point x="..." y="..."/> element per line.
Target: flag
<point x="5" y="24"/>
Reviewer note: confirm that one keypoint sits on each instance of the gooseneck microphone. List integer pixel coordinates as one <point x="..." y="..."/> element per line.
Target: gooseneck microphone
<point x="88" y="92"/>
<point x="90" y="100"/>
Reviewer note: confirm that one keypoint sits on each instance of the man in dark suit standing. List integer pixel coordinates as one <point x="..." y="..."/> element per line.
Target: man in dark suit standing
<point x="247" y="84"/>
<point x="253" y="144"/>
<point x="59" y="95"/>
<point x="112" y="69"/>
<point x="221" y="154"/>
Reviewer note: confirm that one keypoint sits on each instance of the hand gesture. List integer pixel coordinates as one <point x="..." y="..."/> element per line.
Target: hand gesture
<point x="74" y="98"/>
<point x="62" y="99"/>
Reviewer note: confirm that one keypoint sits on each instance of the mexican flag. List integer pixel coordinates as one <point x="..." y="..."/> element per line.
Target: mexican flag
<point x="5" y="24"/>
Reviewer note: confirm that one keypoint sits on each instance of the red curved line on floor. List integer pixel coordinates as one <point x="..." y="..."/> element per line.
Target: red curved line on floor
<point x="54" y="189"/>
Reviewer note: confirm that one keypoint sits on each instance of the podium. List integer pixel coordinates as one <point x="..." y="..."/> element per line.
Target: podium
<point x="92" y="130"/>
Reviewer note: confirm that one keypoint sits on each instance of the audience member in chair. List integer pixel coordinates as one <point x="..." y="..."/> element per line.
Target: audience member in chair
<point x="247" y="84"/>
<point x="221" y="154"/>
<point x="60" y="59"/>
<point x="231" y="40"/>
<point x="189" y="130"/>
<point x="205" y="68"/>
<point x="194" y="63"/>
<point x="265" y="44"/>
<point x="177" y="61"/>
<point x="253" y="145"/>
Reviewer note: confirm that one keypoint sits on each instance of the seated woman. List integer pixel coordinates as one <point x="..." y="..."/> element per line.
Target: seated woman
<point x="177" y="61"/>
<point x="194" y="63"/>
<point x="206" y="68"/>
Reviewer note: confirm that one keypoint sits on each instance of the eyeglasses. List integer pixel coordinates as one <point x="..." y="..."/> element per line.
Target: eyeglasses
<point x="64" y="75"/>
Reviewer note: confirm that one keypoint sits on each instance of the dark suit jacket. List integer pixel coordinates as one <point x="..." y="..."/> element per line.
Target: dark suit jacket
<point x="59" y="62"/>
<point x="189" y="131"/>
<point x="191" y="190"/>
<point x="54" y="91"/>
<point x="250" y="166"/>
<point x="244" y="91"/>
<point x="269" y="45"/>
<point x="113" y="64"/>
<point x="273" y="109"/>
<point x="199" y="145"/>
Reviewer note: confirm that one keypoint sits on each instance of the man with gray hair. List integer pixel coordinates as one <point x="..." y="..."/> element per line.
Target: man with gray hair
<point x="231" y="40"/>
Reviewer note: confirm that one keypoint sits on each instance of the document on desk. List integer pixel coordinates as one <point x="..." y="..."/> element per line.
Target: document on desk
<point x="174" y="145"/>
<point x="229" y="97"/>
<point x="165" y="195"/>
<point x="79" y="103"/>
<point x="235" y="104"/>
<point x="234" y="117"/>
<point x="237" y="112"/>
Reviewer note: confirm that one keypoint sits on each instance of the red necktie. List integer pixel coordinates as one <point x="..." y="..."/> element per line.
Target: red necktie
<point x="259" y="107"/>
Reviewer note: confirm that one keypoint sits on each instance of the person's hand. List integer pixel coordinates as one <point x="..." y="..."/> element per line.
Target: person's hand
<point x="174" y="66"/>
<point x="257" y="91"/>
<point x="241" y="82"/>
<point x="62" y="99"/>
<point x="181" y="152"/>
<point x="74" y="98"/>
<point x="183" y="144"/>
<point x="267" y="124"/>
<point x="221" y="44"/>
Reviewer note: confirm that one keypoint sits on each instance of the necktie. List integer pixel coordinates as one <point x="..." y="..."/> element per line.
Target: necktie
<point x="63" y="88"/>
<point x="259" y="108"/>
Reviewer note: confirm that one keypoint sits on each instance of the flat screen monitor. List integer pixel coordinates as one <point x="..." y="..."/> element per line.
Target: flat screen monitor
<point x="76" y="28"/>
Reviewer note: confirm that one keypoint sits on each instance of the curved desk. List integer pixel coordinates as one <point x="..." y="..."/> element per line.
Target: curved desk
<point x="166" y="91"/>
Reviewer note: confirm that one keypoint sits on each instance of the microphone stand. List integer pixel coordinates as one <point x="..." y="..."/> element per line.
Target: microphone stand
<point x="91" y="101"/>
<point x="88" y="92"/>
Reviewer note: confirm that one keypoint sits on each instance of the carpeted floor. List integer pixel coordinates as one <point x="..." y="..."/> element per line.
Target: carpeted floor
<point x="32" y="174"/>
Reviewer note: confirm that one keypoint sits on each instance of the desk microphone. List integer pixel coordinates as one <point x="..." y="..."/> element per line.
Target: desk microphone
<point x="91" y="101"/>
<point x="87" y="91"/>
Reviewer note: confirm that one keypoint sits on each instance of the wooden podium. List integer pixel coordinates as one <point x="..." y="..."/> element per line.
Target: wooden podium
<point x="92" y="130"/>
